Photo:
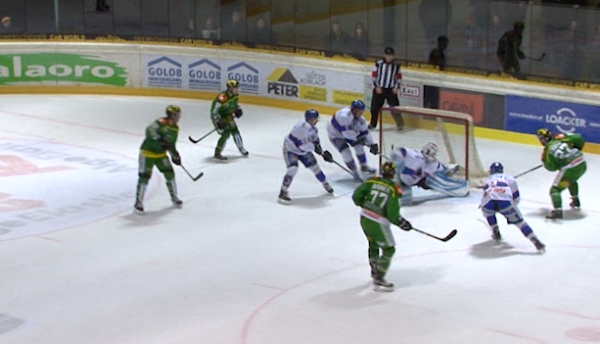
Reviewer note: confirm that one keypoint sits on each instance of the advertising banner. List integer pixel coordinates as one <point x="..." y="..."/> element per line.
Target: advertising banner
<point x="159" y="71"/>
<point x="471" y="104"/>
<point x="527" y="115"/>
<point x="51" y="68"/>
<point x="411" y="94"/>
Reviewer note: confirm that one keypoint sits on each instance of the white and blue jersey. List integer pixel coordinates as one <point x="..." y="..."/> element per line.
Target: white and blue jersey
<point x="343" y="126"/>
<point x="412" y="166"/>
<point x="500" y="188"/>
<point x="301" y="139"/>
<point x="501" y="195"/>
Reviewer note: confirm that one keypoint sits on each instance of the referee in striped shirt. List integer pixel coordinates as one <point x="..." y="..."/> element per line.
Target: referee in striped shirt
<point x="386" y="81"/>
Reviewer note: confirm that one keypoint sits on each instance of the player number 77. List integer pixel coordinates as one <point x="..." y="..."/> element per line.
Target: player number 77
<point x="375" y="195"/>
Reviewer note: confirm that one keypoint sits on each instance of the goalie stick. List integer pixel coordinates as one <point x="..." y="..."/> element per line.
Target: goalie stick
<point x="190" y="175"/>
<point x="450" y="235"/>
<point x="202" y="138"/>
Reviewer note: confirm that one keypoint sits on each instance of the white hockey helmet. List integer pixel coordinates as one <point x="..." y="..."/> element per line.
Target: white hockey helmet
<point x="429" y="150"/>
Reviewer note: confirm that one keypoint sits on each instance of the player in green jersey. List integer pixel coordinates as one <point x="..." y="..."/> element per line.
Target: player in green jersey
<point x="161" y="137"/>
<point x="563" y="154"/>
<point x="379" y="198"/>
<point x="222" y="111"/>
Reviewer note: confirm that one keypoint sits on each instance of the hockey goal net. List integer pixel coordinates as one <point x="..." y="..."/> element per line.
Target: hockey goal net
<point x="451" y="131"/>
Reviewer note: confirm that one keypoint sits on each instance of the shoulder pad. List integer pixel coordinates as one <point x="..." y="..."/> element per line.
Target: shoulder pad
<point x="163" y="121"/>
<point x="222" y="97"/>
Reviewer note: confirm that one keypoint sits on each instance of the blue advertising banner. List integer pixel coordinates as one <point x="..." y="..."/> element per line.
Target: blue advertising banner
<point x="527" y="115"/>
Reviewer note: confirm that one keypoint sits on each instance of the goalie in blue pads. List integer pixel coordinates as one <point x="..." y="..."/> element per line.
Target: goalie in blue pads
<point x="423" y="169"/>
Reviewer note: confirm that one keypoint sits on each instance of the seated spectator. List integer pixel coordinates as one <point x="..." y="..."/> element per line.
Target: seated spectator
<point x="359" y="44"/>
<point x="261" y="33"/>
<point x="190" y="29"/>
<point x="210" y="30"/>
<point x="235" y="30"/>
<point x="7" y="26"/>
<point x="337" y="41"/>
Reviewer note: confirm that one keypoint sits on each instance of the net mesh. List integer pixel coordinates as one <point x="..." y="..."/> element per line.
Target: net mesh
<point x="452" y="132"/>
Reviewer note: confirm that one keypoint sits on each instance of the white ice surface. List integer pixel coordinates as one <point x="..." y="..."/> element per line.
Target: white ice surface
<point x="234" y="266"/>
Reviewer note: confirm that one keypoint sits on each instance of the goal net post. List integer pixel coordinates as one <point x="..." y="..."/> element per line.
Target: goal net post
<point x="451" y="131"/>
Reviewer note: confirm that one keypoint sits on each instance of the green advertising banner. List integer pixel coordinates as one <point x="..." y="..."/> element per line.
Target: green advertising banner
<point x="60" y="68"/>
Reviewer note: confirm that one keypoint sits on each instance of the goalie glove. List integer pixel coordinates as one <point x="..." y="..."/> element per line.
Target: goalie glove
<point x="374" y="149"/>
<point x="404" y="224"/>
<point x="176" y="158"/>
<point x="238" y="112"/>
<point x="327" y="156"/>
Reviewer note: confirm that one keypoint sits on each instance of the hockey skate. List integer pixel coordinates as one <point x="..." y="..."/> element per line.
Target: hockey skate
<point x="575" y="204"/>
<point x="381" y="284"/>
<point x="496" y="234"/>
<point x="220" y="157"/>
<point x="538" y="245"/>
<point x="328" y="187"/>
<point x="138" y="207"/>
<point x="367" y="169"/>
<point x="177" y="202"/>
<point x="284" y="198"/>
<point x="373" y="270"/>
<point x="556" y="214"/>
<point x="243" y="151"/>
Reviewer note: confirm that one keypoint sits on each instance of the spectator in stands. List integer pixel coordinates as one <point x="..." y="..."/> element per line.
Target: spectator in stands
<point x="101" y="6"/>
<point x="7" y="26"/>
<point x="261" y="33"/>
<point x="190" y="29"/>
<point x="235" y="30"/>
<point x="210" y="30"/>
<point x="337" y="41"/>
<point x="509" y="49"/>
<point x="437" y="57"/>
<point x="359" y="44"/>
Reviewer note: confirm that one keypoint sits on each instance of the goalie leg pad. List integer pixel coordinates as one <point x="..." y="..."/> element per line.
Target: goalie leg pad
<point x="407" y="195"/>
<point x="451" y="169"/>
<point x="448" y="186"/>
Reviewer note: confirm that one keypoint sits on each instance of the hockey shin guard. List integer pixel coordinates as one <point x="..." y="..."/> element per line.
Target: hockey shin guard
<point x="555" y="196"/>
<point x="386" y="259"/>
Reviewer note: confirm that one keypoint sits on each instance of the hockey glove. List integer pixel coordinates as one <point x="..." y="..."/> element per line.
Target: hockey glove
<point x="238" y="112"/>
<point x="405" y="225"/>
<point x="327" y="156"/>
<point x="176" y="158"/>
<point x="318" y="148"/>
<point x="374" y="149"/>
<point x="360" y="141"/>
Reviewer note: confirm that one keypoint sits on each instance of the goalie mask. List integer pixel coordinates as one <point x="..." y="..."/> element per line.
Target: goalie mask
<point x="430" y="151"/>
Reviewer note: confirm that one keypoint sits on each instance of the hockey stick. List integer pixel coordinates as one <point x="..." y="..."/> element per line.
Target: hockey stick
<point x="539" y="59"/>
<point x="347" y="170"/>
<point x="190" y="175"/>
<point x="202" y="138"/>
<point x="448" y="237"/>
<point x="528" y="171"/>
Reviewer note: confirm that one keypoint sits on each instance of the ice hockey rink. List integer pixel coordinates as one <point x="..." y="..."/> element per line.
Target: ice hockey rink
<point x="234" y="266"/>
